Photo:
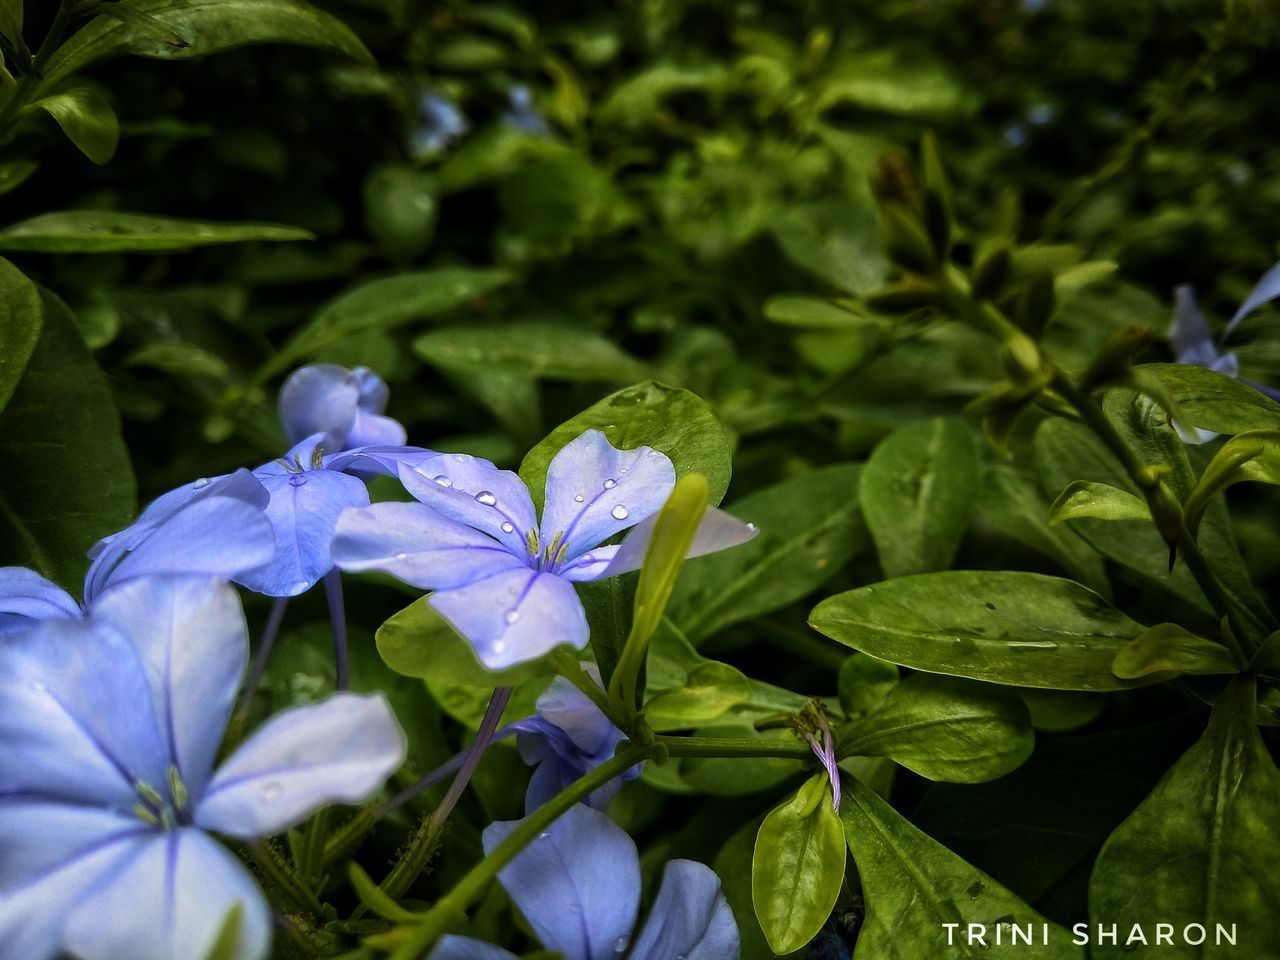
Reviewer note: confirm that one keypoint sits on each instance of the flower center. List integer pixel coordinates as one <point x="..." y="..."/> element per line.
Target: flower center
<point x="167" y="813"/>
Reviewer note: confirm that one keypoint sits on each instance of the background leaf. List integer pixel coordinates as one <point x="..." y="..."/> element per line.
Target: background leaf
<point x="21" y="317"/>
<point x="87" y="119"/>
<point x="106" y="231"/>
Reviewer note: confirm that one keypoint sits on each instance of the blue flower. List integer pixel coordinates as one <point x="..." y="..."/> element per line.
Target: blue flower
<point x="568" y="737"/>
<point x="440" y="123"/>
<point x="346" y="406"/>
<point x="503" y="580"/>
<point x="214" y="527"/>
<point x="108" y="788"/>
<point x="523" y="115"/>
<point x="578" y="885"/>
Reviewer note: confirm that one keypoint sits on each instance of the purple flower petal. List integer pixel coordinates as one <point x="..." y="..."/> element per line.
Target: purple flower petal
<point x="690" y="917"/>
<point x="345" y="406"/>
<point x="1189" y="332"/>
<point x="515" y="615"/>
<point x="1268" y="288"/>
<point x="27" y="598"/>
<point x="578" y="884"/>
<point x="464" y="948"/>
<point x="76" y="718"/>
<point x="717" y="531"/>
<point x="169" y="902"/>
<point x="190" y="636"/>
<point x="341" y="750"/>
<point x="475" y="492"/>
<point x="412" y="542"/>
<point x="51" y="855"/>
<point x="303" y="512"/>
<point x="376" y="460"/>
<point x="595" y="490"/>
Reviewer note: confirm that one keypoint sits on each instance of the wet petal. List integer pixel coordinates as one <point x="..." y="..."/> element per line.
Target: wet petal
<point x="717" y="531"/>
<point x="76" y="718"/>
<point x="50" y="856"/>
<point x="27" y="598"/>
<point x="337" y="751"/>
<point x="515" y="615"/>
<point x="464" y="948"/>
<point x="475" y="492"/>
<point x="412" y="542"/>
<point x="190" y="636"/>
<point x="303" y="513"/>
<point x="578" y="884"/>
<point x="595" y="490"/>
<point x="590" y="565"/>
<point x="690" y="917"/>
<point x="1268" y="288"/>
<point x="169" y="902"/>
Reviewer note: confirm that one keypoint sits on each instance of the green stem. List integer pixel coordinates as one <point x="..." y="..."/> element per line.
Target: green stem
<point x="733" y="747"/>
<point x="279" y="875"/>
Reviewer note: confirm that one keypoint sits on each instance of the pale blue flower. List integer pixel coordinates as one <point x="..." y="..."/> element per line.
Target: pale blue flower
<point x="523" y="115"/>
<point x="110" y="787"/>
<point x="440" y="122"/>
<point x="504" y="580"/>
<point x="578" y="885"/>
<point x="345" y="406"/>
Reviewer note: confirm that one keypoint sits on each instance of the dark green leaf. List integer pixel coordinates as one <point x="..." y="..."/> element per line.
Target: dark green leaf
<point x="1097" y="501"/>
<point x="21" y="316"/>
<point x="106" y="231"/>
<point x="864" y="683"/>
<point x="530" y="349"/>
<point x="1214" y="401"/>
<point x="1022" y="629"/>
<point x="685" y="691"/>
<point x="15" y="173"/>
<point x="1169" y="649"/>
<point x="87" y="119"/>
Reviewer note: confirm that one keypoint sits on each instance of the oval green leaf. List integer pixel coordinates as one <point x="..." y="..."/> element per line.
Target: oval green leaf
<point x="108" y="231"/>
<point x="87" y="119"/>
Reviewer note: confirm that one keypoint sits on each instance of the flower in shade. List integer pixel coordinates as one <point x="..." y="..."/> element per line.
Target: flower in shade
<point x="215" y="527"/>
<point x="501" y="577"/>
<point x="568" y="737"/>
<point x="1193" y="341"/>
<point x="346" y="406"/>
<point x="109" y="793"/>
<point x="578" y="885"/>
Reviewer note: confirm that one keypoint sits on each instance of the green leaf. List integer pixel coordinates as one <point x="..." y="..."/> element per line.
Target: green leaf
<point x="865" y="683"/>
<point x="1021" y="629"/>
<point x="400" y="209"/>
<point x="1254" y="455"/>
<point x="87" y="119"/>
<point x="226" y="946"/>
<point x="180" y="359"/>
<point x="70" y="482"/>
<point x="1098" y="501"/>
<point x="21" y="317"/>
<point x="1214" y="401"/>
<point x="683" y="690"/>
<point x="15" y="173"/>
<point x="383" y="305"/>
<point x="530" y="349"/>
<point x="674" y="421"/>
<point x="946" y="729"/>
<point x="914" y="887"/>
<point x="836" y="241"/>
<point x="11" y="19"/>
<point x="107" y="231"/>
<point x="376" y="899"/>
<point x="798" y="866"/>
<point x="918" y="491"/>
<point x="879" y="82"/>
<point x="206" y="26"/>
<point x="813" y="313"/>
<point x="1202" y="847"/>
<point x="809" y="528"/>
<point x="1169" y="649"/>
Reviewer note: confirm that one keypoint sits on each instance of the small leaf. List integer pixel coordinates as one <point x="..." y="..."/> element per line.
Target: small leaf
<point x="21" y="317"/>
<point x="1215" y="401"/>
<point x="946" y="729"/>
<point x="226" y="946"/>
<point x="918" y="491"/>
<point x="1021" y="629"/>
<point x="684" y="690"/>
<point x="531" y="349"/>
<point x="674" y="421"/>
<point x="1254" y="455"/>
<point x="798" y="867"/>
<point x="11" y="20"/>
<point x="1168" y="649"/>
<point x="865" y="683"/>
<point x="1097" y="501"/>
<point x="400" y="209"/>
<point x="813" y="313"/>
<point x="1201" y="848"/>
<point x="108" y="231"/>
<point x="87" y="120"/>
<point x="15" y="173"/>
<point x="376" y="899"/>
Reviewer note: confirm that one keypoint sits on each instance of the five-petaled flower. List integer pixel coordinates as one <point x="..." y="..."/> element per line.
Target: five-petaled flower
<point x="578" y="885"/>
<point x="108" y="789"/>
<point x="504" y="580"/>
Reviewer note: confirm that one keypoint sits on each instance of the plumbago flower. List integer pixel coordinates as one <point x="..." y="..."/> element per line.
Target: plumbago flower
<point x="578" y="885"/>
<point x="215" y="527"/>
<point x="504" y="580"/>
<point x="108" y="789"/>
<point x="568" y="737"/>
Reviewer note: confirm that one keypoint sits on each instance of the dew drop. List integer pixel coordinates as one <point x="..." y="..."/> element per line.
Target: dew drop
<point x="270" y="791"/>
<point x="1031" y="645"/>
<point x="507" y="527"/>
<point x="620" y="945"/>
<point x="39" y="686"/>
<point x="460" y="458"/>
<point x="487" y="498"/>
<point x="301" y="585"/>
<point x="752" y="526"/>
<point x="610" y="484"/>
<point x="400" y="556"/>
<point x="511" y="616"/>
<point x="578" y="498"/>
<point x="201" y="483"/>
<point x="499" y="646"/>
<point x="443" y="480"/>
<point x="297" y="479"/>
<point x="619" y="512"/>
<point x="544" y="835"/>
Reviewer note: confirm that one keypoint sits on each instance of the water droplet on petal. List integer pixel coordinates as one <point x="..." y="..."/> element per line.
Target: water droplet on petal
<point x="544" y="835"/>
<point x="201" y="483"/>
<point x="301" y="585"/>
<point x="461" y="458"/>
<point x="443" y="480"/>
<point x="619" y="512"/>
<point x="610" y="484"/>
<point x="39" y="686"/>
<point x="499" y="646"/>
<point x="297" y="479"/>
<point x="578" y="498"/>
<point x="507" y="527"/>
<point x="400" y="556"/>
<point x="752" y="526"/>
<point x="620" y="945"/>
<point x="270" y="791"/>
<point x="487" y="498"/>
<point x="511" y="616"/>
